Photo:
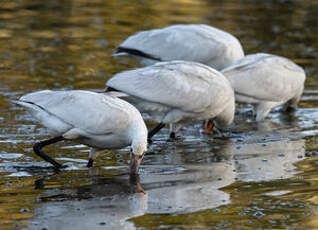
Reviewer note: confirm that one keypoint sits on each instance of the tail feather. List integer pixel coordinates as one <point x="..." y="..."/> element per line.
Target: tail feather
<point x="55" y="125"/>
<point x="116" y="94"/>
<point x="124" y="51"/>
<point x="27" y="104"/>
<point x="15" y="102"/>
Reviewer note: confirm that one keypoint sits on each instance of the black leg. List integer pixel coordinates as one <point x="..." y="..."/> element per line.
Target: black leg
<point x="290" y="109"/>
<point x="90" y="163"/>
<point x="173" y="135"/>
<point x="38" y="146"/>
<point x="155" y="130"/>
<point x="38" y="184"/>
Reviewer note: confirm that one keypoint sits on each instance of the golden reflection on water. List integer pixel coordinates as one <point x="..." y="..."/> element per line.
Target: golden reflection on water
<point x="67" y="44"/>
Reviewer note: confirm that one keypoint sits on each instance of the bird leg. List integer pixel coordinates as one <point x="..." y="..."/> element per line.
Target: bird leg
<point x="39" y="145"/>
<point x="174" y="128"/>
<point x="218" y="132"/>
<point x="92" y="156"/>
<point x="172" y="135"/>
<point x="90" y="163"/>
<point x="155" y="130"/>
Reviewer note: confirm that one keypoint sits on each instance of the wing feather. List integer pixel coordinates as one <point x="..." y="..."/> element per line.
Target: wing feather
<point x="199" y="43"/>
<point x="265" y="77"/>
<point x="184" y="85"/>
<point x="93" y="112"/>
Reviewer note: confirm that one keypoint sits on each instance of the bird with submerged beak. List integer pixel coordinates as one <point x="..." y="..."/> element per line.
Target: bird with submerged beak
<point x="99" y="120"/>
<point x="177" y="93"/>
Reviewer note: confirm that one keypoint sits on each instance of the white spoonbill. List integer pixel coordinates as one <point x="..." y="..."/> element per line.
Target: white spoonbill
<point x="266" y="81"/>
<point x="192" y="42"/>
<point x="98" y="120"/>
<point x="177" y="93"/>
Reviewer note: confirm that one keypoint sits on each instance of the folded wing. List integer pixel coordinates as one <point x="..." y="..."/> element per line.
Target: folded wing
<point x="184" y="85"/>
<point x="265" y="77"/>
<point x="84" y="110"/>
<point x="198" y="43"/>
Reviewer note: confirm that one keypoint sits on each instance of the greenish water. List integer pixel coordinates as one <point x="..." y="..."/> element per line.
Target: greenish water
<point x="265" y="176"/>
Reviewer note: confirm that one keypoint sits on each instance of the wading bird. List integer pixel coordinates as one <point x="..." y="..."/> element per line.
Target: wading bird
<point x="178" y="93"/>
<point x="98" y="120"/>
<point x="194" y="42"/>
<point x="266" y="81"/>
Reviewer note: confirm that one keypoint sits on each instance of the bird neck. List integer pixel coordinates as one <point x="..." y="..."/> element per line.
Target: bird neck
<point x="138" y="135"/>
<point x="225" y="118"/>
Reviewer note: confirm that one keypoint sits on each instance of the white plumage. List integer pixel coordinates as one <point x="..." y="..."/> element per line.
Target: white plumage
<point x="178" y="92"/>
<point x="95" y="119"/>
<point x="198" y="43"/>
<point x="266" y="81"/>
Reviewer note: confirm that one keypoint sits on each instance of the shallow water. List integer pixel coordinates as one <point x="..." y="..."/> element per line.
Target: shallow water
<point x="262" y="176"/>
